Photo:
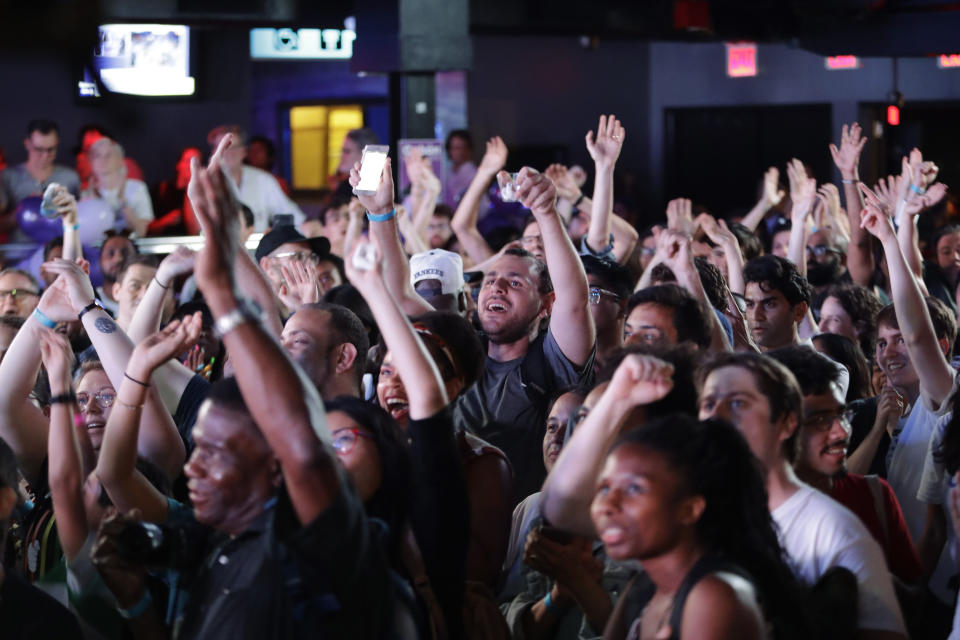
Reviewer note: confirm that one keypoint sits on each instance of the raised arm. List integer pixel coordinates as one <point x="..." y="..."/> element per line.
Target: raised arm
<point x="146" y="319"/>
<point x="571" y="322"/>
<point x="381" y="210"/>
<point x="860" y="262"/>
<point x="771" y="197"/>
<point x="67" y="208"/>
<point x="677" y="254"/>
<point x="803" y="193"/>
<point x="935" y="373"/>
<point x="464" y="222"/>
<point x="604" y="150"/>
<point x="426" y="394"/>
<point x="283" y="402"/>
<point x="22" y="425"/>
<point x="159" y="440"/>
<point x="720" y="235"/>
<point x="569" y="489"/>
<point x="117" y="464"/>
<point x="64" y="464"/>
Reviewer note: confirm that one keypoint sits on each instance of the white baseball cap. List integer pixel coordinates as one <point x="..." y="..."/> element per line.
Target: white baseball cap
<point x="437" y="264"/>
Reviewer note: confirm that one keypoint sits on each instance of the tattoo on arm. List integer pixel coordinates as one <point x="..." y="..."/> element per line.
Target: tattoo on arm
<point x="105" y="325"/>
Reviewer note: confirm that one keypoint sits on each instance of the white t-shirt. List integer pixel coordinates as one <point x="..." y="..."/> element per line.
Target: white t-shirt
<point x="137" y="197"/>
<point x="907" y="456"/>
<point x="262" y="193"/>
<point x="819" y="533"/>
<point x="935" y="485"/>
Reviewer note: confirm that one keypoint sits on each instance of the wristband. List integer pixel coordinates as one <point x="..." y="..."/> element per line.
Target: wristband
<point x="162" y="286"/>
<point x="142" y="384"/>
<point x="579" y="200"/>
<point x="90" y="307"/>
<point x="372" y="217"/>
<point x="43" y="319"/>
<point x="917" y="190"/>
<point x="64" y="398"/>
<point x="550" y="605"/>
<point x="75" y="227"/>
<point x="845" y="181"/>
<point x="138" y="609"/>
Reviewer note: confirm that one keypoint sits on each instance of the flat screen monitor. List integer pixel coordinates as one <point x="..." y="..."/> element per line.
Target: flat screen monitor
<point x="140" y="60"/>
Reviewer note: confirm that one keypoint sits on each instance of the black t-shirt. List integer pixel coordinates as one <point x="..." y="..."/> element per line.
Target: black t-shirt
<point x="280" y="579"/>
<point x="187" y="409"/>
<point x="28" y="613"/>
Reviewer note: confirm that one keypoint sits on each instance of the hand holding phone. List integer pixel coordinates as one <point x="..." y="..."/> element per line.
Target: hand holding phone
<point x="371" y="168"/>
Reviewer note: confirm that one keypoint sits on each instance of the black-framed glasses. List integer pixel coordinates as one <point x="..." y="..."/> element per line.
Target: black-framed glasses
<point x="596" y="293"/>
<point x="825" y="421"/>
<point x="104" y="398"/>
<point x="344" y="440"/>
<point x="17" y="293"/>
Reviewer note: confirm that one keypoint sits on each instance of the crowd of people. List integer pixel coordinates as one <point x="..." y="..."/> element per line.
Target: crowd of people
<point x="408" y="419"/>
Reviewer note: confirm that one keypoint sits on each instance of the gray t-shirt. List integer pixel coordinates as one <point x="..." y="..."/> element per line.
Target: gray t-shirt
<point x="19" y="184"/>
<point x="507" y="406"/>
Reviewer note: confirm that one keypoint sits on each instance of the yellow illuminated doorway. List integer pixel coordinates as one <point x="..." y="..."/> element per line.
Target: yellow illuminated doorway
<point x="316" y="136"/>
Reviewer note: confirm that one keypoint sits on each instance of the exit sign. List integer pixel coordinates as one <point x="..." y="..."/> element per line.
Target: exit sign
<point x="741" y="60"/>
<point x="948" y="61"/>
<point x="837" y="63"/>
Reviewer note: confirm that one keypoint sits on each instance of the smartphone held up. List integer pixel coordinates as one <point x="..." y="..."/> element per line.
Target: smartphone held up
<point x="371" y="168"/>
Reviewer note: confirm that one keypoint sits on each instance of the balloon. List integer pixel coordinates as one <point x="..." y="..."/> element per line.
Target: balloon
<point x="95" y="217"/>
<point x="34" y="224"/>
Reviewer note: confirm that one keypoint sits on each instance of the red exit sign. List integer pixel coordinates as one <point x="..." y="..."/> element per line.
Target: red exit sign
<point x="837" y="63"/>
<point x="948" y="61"/>
<point x="741" y="60"/>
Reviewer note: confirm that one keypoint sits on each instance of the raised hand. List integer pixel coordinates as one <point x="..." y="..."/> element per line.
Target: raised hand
<point x="413" y="162"/>
<point x="172" y="340"/>
<point x="803" y="190"/>
<point x="369" y="282"/>
<point x="300" y="283"/>
<point x="641" y="379"/>
<point x="847" y="156"/>
<point x="890" y="408"/>
<point x="74" y="281"/>
<point x="877" y="223"/>
<point x="566" y="185"/>
<point x="680" y="215"/>
<point x="178" y="263"/>
<point x="716" y="230"/>
<point x="609" y="140"/>
<point x="66" y="205"/>
<point x="218" y="213"/>
<point x="536" y="192"/>
<point x="58" y="359"/>
<point x="380" y="202"/>
<point x="194" y="190"/>
<point x="495" y="157"/>
<point x="772" y="193"/>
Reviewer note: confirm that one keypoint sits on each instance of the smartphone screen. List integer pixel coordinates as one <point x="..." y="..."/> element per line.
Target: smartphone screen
<point x="371" y="167"/>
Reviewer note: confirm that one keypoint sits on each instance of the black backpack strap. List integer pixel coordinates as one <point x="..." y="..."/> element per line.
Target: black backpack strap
<point x="533" y="372"/>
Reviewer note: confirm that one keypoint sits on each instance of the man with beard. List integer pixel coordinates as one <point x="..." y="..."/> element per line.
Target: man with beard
<point x="116" y="249"/>
<point x="525" y="366"/>
<point x="822" y="442"/>
<point x="826" y="259"/>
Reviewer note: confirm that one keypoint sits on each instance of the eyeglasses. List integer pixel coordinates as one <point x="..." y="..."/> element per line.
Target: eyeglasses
<point x="825" y="421"/>
<point x="821" y="250"/>
<point x="596" y="293"/>
<point x="344" y="440"/>
<point x="15" y="293"/>
<point x="301" y="256"/>
<point x="531" y="240"/>
<point x="104" y="398"/>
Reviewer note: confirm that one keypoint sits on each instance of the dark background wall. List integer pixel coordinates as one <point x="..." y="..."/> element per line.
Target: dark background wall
<point x="153" y="132"/>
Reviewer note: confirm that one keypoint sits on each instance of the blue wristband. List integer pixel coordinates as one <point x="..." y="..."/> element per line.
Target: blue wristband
<point x="43" y="319"/>
<point x="550" y="605"/>
<point x="917" y="190"/>
<point x="372" y="217"/>
<point x="138" y="609"/>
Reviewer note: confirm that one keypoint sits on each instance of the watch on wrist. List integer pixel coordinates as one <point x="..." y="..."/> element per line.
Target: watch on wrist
<point x="246" y="311"/>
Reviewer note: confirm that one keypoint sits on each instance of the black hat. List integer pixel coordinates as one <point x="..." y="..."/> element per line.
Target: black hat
<point x="284" y="234"/>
